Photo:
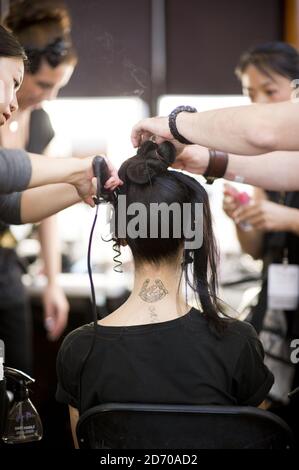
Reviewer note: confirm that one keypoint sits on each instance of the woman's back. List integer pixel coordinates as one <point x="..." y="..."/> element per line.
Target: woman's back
<point x="175" y="361"/>
<point x="170" y="353"/>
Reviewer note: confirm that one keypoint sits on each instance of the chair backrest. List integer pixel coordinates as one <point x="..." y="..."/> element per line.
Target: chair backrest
<point x="158" y="426"/>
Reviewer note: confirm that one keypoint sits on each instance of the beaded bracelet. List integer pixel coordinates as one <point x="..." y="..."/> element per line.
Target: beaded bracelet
<point x="172" y="122"/>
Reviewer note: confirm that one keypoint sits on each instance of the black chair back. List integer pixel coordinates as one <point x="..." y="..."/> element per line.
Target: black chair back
<point x="158" y="426"/>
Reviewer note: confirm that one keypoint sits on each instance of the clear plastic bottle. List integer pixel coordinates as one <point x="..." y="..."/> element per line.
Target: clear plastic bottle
<point x="23" y="423"/>
<point x="3" y="395"/>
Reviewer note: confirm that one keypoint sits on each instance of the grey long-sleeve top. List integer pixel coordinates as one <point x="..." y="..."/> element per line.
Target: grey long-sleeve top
<point x="15" y="174"/>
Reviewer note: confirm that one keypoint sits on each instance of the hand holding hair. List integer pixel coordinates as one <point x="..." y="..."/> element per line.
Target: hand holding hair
<point x="151" y="160"/>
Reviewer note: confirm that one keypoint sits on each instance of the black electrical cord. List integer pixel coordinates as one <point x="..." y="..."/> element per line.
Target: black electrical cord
<point x="93" y="296"/>
<point x="101" y="172"/>
<point x="94" y="306"/>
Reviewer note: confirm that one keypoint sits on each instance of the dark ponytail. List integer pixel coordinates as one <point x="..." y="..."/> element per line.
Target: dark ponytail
<point x="147" y="180"/>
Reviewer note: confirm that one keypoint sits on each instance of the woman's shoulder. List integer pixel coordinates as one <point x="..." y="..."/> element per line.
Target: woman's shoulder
<point x="233" y="329"/>
<point x="241" y="329"/>
<point x="241" y="326"/>
<point x="77" y="337"/>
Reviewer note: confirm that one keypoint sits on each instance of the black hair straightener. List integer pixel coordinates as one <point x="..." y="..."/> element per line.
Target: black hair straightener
<point x="101" y="172"/>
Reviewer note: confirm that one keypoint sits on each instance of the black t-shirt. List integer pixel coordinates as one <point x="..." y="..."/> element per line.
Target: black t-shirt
<point x="177" y="361"/>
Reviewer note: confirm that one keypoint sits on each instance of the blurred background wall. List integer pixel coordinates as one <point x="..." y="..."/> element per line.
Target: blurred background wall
<point x="147" y="48"/>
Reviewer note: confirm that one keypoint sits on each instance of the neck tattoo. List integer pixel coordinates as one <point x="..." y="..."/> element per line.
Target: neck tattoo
<point x="152" y="291"/>
<point x="153" y="315"/>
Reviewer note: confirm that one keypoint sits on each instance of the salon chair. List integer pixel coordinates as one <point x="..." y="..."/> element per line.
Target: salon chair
<point x="158" y="426"/>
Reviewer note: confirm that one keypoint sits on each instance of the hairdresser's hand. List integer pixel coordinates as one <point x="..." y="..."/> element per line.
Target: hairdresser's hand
<point x="85" y="183"/>
<point x="192" y="158"/>
<point x="56" y="311"/>
<point x="114" y="181"/>
<point x="146" y="128"/>
<point x="81" y="178"/>
<point x="230" y="204"/>
<point x="266" y="216"/>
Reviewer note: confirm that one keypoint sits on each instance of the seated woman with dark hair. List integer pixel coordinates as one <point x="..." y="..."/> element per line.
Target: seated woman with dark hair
<point x="156" y="348"/>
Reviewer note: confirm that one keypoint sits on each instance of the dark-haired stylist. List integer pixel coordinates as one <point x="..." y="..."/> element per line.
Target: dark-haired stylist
<point x="156" y="348"/>
<point x="19" y="170"/>
<point x="266" y="73"/>
<point x="43" y="30"/>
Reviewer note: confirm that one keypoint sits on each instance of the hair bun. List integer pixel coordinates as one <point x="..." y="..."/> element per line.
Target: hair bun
<point x="145" y="148"/>
<point x="151" y="160"/>
<point x="167" y="151"/>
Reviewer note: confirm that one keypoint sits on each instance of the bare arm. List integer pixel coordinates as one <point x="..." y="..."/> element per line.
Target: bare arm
<point x="250" y="241"/>
<point x="277" y="171"/>
<point x="74" y="417"/>
<point x="55" y="303"/>
<point x="39" y="203"/>
<point x="50" y="246"/>
<point x="49" y="170"/>
<point x="56" y="306"/>
<point x="245" y="130"/>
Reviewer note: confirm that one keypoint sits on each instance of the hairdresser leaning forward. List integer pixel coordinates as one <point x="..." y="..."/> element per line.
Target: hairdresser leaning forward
<point x="19" y="170"/>
<point x="266" y="73"/>
<point x="43" y="29"/>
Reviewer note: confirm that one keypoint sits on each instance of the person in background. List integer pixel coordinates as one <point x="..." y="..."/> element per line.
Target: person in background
<point x="20" y="170"/>
<point x="43" y="29"/>
<point x="272" y="218"/>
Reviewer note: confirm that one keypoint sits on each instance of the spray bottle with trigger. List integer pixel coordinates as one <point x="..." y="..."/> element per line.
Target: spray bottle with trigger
<point x="3" y="395"/>
<point x="23" y="423"/>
